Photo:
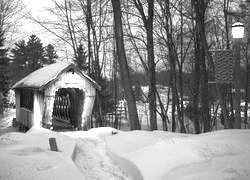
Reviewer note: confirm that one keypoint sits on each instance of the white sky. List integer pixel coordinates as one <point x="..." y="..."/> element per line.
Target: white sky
<point x="37" y="10"/>
<point x="27" y="27"/>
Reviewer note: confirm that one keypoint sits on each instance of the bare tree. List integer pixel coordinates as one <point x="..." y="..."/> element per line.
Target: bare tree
<point x="124" y="71"/>
<point x="170" y="37"/>
<point x="148" y="25"/>
<point x="11" y="11"/>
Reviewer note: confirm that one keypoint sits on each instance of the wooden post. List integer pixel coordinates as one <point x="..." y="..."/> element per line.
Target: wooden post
<point x="237" y="124"/>
<point x="53" y="145"/>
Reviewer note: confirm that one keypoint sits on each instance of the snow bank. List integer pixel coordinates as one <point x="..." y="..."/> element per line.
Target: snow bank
<point x="82" y="155"/>
<point x="100" y="132"/>
<point x="106" y="153"/>
<point x="91" y="155"/>
<point x="28" y="156"/>
<point x="126" y="165"/>
<point x="163" y="155"/>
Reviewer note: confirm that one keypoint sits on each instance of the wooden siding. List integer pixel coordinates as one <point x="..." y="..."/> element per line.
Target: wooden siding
<point x="23" y="115"/>
<point x="26" y="117"/>
<point x="69" y="80"/>
<point x="17" y="98"/>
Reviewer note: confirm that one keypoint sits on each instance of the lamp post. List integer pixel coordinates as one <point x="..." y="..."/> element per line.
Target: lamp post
<point x="237" y="32"/>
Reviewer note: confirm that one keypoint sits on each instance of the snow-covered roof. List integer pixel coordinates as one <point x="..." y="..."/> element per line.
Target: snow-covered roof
<point x="43" y="76"/>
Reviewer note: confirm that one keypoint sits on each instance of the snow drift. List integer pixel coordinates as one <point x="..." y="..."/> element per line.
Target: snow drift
<point x="106" y="153"/>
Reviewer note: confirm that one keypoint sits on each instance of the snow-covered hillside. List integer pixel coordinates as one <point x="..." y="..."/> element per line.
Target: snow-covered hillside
<point x="105" y="153"/>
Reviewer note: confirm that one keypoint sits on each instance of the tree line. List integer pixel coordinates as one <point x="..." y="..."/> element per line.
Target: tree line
<point x="22" y="59"/>
<point x="120" y="42"/>
<point x="29" y="56"/>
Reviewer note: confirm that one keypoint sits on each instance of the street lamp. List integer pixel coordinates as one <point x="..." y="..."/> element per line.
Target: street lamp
<point x="238" y="33"/>
<point x="238" y="30"/>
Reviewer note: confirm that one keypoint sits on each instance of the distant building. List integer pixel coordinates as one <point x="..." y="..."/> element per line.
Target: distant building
<point x="57" y="96"/>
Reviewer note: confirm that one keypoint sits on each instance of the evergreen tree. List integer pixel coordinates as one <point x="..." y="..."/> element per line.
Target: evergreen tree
<point x="81" y="58"/>
<point x="35" y="53"/>
<point x="27" y="57"/>
<point x="19" y="65"/>
<point x="4" y="74"/>
<point x="20" y="54"/>
<point x="50" y="54"/>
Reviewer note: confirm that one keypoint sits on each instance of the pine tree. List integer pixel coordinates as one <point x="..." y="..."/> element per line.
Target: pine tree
<point x="35" y="52"/>
<point x="50" y="54"/>
<point x="19" y="65"/>
<point x="20" y="54"/>
<point x="27" y="57"/>
<point x="4" y="74"/>
<point x="81" y="58"/>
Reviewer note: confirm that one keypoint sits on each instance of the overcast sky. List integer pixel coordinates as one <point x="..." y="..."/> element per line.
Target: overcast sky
<point x="37" y="10"/>
<point x="27" y="27"/>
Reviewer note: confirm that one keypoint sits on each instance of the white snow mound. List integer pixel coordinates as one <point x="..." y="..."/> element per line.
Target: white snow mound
<point x="106" y="153"/>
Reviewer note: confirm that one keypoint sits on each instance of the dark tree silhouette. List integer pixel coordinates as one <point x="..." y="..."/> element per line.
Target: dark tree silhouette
<point x="27" y="57"/>
<point x="81" y="58"/>
<point x="4" y="73"/>
<point x="35" y="52"/>
<point x="50" y="54"/>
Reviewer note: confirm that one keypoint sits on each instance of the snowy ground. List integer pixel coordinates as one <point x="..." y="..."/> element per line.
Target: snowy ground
<point x="165" y="155"/>
<point x="6" y="121"/>
<point x="101" y="154"/>
<point x="106" y="153"/>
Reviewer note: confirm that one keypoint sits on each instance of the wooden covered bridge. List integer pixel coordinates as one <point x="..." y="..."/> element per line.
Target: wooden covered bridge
<point x="58" y="96"/>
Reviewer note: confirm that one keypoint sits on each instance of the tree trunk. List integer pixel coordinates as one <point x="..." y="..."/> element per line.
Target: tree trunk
<point x="115" y="88"/>
<point x="204" y="98"/>
<point x="1" y="103"/>
<point x="151" y="67"/>
<point x="124" y="72"/>
<point x="200" y="60"/>
<point x="195" y="104"/>
<point x="204" y="76"/>
<point x="223" y="103"/>
<point x="148" y="25"/>
<point x="196" y="84"/>
<point x="173" y="111"/>
<point x="88" y="22"/>
<point x="181" y="67"/>
<point x="162" y="113"/>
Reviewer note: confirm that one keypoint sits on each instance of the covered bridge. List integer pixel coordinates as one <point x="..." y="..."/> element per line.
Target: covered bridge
<point x="58" y="96"/>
